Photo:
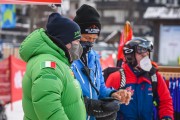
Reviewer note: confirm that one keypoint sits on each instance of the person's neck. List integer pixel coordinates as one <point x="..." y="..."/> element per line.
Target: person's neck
<point x="137" y="68"/>
<point x="138" y="71"/>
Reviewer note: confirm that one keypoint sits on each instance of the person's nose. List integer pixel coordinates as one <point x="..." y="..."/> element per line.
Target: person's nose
<point x="91" y="40"/>
<point x="145" y="54"/>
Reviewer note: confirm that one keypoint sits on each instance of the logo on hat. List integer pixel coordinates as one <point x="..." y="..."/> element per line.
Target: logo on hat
<point x="77" y="34"/>
<point x="92" y="30"/>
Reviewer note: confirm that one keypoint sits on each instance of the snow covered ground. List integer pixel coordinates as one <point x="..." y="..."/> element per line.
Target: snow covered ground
<point x="16" y="113"/>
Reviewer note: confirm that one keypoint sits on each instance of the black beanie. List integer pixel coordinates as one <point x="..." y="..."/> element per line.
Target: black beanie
<point x="88" y="19"/>
<point x="62" y="29"/>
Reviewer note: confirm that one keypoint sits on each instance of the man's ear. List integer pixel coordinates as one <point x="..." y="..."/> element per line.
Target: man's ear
<point x="68" y="46"/>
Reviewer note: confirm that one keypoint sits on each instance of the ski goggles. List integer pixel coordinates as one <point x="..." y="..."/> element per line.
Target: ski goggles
<point x="141" y="50"/>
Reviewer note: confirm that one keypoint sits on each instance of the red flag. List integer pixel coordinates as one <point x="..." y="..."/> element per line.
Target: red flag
<point x="11" y="73"/>
<point x="17" y="70"/>
<point x="107" y="62"/>
<point x="30" y="2"/>
<point x="126" y="35"/>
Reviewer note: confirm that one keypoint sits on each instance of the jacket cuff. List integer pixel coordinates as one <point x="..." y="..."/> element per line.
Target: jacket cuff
<point x="113" y="91"/>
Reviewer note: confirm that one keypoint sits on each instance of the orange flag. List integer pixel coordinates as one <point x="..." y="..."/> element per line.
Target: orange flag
<point x="126" y="35"/>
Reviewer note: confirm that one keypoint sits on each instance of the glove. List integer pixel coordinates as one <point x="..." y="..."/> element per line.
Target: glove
<point x="101" y="108"/>
<point x="110" y="104"/>
<point x="110" y="117"/>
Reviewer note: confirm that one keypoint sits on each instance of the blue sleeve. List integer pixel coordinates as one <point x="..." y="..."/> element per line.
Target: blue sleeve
<point x="104" y="91"/>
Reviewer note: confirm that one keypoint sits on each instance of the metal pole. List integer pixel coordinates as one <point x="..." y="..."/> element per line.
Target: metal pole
<point x="32" y="14"/>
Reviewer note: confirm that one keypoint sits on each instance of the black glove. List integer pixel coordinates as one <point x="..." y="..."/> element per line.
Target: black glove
<point x="110" y="104"/>
<point x="101" y="108"/>
<point x="110" y="117"/>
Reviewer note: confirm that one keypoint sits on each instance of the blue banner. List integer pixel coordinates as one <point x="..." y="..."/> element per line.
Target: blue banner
<point x="7" y="16"/>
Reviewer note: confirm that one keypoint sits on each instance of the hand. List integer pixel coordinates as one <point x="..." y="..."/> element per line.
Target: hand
<point x="110" y="104"/>
<point x="101" y="108"/>
<point x="123" y="96"/>
<point x="110" y="117"/>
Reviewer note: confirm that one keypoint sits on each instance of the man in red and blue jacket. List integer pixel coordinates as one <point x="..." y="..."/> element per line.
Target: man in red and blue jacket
<point x="139" y="74"/>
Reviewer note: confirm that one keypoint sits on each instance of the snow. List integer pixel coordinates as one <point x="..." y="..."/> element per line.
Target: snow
<point x="16" y="113"/>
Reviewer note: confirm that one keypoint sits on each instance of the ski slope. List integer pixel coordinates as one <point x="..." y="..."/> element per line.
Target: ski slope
<point x="16" y="113"/>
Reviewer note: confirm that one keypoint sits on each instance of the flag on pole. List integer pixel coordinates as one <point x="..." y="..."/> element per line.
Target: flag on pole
<point x="126" y="35"/>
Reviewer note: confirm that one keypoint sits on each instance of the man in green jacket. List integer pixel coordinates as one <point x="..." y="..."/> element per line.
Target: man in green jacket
<point x="50" y="91"/>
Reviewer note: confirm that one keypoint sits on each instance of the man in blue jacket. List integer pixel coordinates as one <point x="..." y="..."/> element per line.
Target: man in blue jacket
<point x="88" y="71"/>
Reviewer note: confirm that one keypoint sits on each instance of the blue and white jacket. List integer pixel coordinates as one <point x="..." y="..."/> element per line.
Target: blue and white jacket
<point x="93" y="62"/>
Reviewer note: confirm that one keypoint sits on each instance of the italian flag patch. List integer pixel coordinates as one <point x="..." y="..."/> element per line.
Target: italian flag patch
<point x="49" y="64"/>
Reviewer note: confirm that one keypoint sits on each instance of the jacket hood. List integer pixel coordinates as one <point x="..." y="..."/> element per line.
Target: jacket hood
<point x="39" y="43"/>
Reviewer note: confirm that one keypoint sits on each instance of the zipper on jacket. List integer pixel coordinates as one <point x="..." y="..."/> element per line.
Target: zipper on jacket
<point x="90" y="92"/>
<point x="95" y="73"/>
<point x="90" y="87"/>
<point x="88" y="117"/>
<point x="139" y="118"/>
<point x="87" y="60"/>
<point x="79" y="74"/>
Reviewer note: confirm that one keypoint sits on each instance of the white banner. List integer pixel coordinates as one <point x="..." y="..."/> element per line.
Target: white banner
<point x="169" y="45"/>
